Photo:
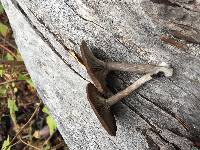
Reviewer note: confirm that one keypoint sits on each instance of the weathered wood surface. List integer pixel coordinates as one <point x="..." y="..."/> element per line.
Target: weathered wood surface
<point x="164" y="113"/>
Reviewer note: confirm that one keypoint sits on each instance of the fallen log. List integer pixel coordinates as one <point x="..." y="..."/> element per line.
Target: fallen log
<point x="162" y="114"/>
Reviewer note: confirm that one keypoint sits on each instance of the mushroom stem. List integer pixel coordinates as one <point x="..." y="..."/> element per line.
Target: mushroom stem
<point x="99" y="64"/>
<point x="137" y="68"/>
<point x="117" y="97"/>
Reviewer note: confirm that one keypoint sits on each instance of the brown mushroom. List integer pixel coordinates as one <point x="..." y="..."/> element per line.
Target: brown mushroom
<point x="102" y="106"/>
<point x="98" y="69"/>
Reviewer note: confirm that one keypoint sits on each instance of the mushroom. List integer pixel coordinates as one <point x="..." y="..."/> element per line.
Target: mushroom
<point x="98" y="69"/>
<point x="102" y="106"/>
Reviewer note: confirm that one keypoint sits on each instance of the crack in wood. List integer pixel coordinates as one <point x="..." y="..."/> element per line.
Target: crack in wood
<point x="76" y="13"/>
<point x="153" y="145"/>
<point x="173" y="115"/>
<point x="165" y="2"/>
<point x="175" y="33"/>
<point x="58" y="38"/>
<point x="172" y="4"/>
<point x="183" y="36"/>
<point x="191" y="137"/>
<point x="153" y="127"/>
<point x="17" y="6"/>
<point x="140" y="115"/>
<point x="165" y="140"/>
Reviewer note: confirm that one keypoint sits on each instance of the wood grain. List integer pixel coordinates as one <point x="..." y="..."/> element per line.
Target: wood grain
<point x="163" y="114"/>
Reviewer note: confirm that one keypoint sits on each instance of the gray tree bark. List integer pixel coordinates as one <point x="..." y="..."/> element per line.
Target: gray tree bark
<point x="162" y="114"/>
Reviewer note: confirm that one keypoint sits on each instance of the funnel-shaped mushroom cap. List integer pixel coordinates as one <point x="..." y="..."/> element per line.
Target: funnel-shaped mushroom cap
<point x="101" y="110"/>
<point x="95" y="68"/>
